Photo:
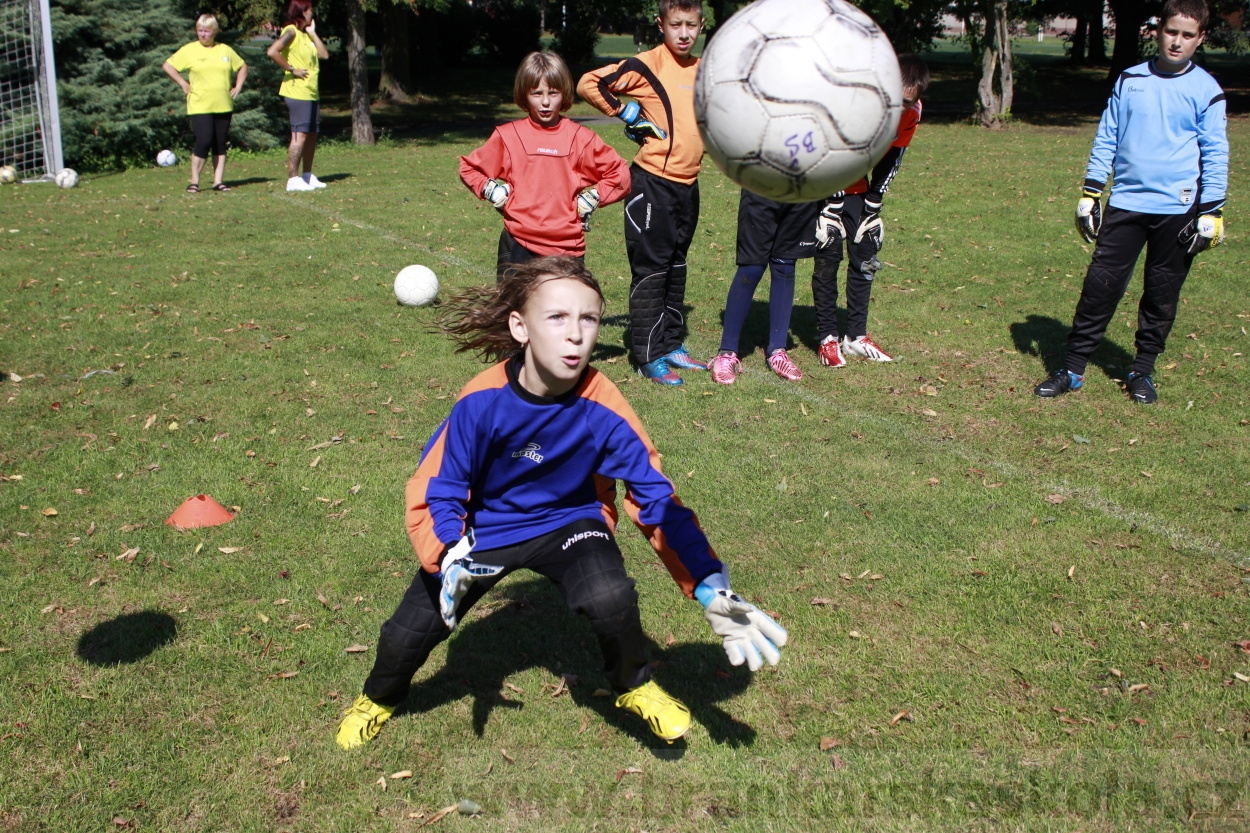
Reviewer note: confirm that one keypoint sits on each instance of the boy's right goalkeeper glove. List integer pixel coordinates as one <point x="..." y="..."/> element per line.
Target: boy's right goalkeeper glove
<point x="1206" y="231"/>
<point x="496" y="192"/>
<point x="830" y="230"/>
<point x="457" y="572"/>
<point x="750" y="635"/>
<point x="1089" y="211"/>
<point x="587" y="201"/>
<point x="637" y="128"/>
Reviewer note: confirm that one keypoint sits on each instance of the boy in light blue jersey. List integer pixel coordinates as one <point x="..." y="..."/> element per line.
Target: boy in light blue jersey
<point x="1162" y="138"/>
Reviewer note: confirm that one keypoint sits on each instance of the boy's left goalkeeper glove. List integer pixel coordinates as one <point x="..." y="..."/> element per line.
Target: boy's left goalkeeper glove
<point x="587" y="201"/>
<point x="1089" y="211"/>
<point x="458" y="571"/>
<point x="750" y="635"/>
<point x="870" y="223"/>
<point x="637" y="128"/>
<point x="830" y="230"/>
<point x="1206" y="231"/>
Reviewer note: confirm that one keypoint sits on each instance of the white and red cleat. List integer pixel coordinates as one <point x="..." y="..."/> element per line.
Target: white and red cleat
<point x="865" y="348"/>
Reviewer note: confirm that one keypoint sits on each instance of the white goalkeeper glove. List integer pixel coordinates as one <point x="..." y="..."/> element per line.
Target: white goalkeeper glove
<point x="750" y="635"/>
<point x="830" y="230"/>
<point x="1203" y="232"/>
<point x="496" y="192"/>
<point x="458" y="571"/>
<point x="587" y="201"/>
<point x="870" y="223"/>
<point x="1089" y="212"/>
<point x="637" y="128"/>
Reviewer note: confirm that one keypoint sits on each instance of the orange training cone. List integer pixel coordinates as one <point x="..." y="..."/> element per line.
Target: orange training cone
<point x="200" y="510"/>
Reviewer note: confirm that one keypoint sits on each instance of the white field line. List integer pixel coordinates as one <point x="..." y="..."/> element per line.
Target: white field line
<point x="1088" y="497"/>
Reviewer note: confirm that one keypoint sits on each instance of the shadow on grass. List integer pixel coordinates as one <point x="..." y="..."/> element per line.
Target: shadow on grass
<point x="530" y="626"/>
<point x="251" y="180"/>
<point x="127" y="638"/>
<point x="1046" y="338"/>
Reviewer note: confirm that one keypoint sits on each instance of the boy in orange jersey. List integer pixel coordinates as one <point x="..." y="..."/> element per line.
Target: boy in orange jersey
<point x="663" y="205"/>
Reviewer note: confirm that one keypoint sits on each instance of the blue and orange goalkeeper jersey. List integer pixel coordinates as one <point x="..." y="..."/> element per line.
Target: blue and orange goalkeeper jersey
<point x="513" y="466"/>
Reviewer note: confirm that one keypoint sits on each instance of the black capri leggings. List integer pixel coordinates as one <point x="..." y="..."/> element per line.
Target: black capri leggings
<point x="210" y="133"/>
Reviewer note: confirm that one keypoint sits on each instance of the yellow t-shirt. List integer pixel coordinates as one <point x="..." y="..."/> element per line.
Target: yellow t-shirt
<point x="300" y="53"/>
<point x="211" y="73"/>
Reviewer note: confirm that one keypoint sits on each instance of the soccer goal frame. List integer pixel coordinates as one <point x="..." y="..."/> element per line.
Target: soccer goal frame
<point x="30" y="119"/>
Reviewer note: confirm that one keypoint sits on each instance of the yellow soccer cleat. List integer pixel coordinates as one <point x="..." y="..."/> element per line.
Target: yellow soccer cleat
<point x="667" y="716"/>
<point x="361" y="722"/>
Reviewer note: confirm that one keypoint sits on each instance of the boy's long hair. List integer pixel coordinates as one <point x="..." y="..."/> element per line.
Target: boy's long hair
<point x="914" y="71"/>
<point x="295" y="11"/>
<point x="1195" y="10"/>
<point x="667" y="6"/>
<point x="540" y="67"/>
<point x="477" y="318"/>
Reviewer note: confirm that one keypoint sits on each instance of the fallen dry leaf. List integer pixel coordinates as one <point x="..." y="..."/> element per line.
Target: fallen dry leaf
<point x="264" y="620"/>
<point x="229" y="550"/>
<point x="820" y="601"/>
<point x="1133" y="689"/>
<point x="507" y="757"/>
<point x="515" y="688"/>
<point x="1139" y="721"/>
<point x="1056" y="628"/>
<point x="855" y="635"/>
<point x="631" y="770"/>
<point x="130" y="527"/>
<point x="827" y="743"/>
<point x="284" y="675"/>
<point x="381" y="782"/>
<point x="903" y="715"/>
<point x="1056" y="499"/>
<point x="1243" y="646"/>
<point x="1241" y="677"/>
<point x="585" y="723"/>
<point x="49" y="512"/>
<point x="933" y="481"/>
<point x="314" y="462"/>
<point x="91" y="529"/>
<point x="128" y="555"/>
<point x="402" y="774"/>
<point x="836" y="762"/>
<point x="929" y="412"/>
<point x="440" y="815"/>
<point x="357" y="649"/>
<point x="151" y="420"/>
<point x="280" y="602"/>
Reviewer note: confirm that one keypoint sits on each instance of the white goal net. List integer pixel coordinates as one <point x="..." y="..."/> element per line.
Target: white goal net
<point x="30" y="127"/>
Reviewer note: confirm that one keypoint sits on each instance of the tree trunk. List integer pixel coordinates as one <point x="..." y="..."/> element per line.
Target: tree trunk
<point x="1097" y="50"/>
<point x="1129" y="17"/>
<point x="396" y="81"/>
<point x="1078" y="40"/>
<point x="994" y="100"/>
<point x="358" y="72"/>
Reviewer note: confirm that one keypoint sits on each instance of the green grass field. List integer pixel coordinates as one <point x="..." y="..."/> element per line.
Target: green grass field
<point x="1006" y="614"/>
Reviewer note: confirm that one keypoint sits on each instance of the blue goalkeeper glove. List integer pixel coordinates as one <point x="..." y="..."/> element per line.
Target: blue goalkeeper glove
<point x="637" y="128"/>
<point x="749" y="634"/>
<point x="830" y="230"/>
<point x="458" y="572"/>
<point x="496" y="192"/>
<point x="587" y="201"/>
<point x="1089" y="211"/>
<point x="1206" y="231"/>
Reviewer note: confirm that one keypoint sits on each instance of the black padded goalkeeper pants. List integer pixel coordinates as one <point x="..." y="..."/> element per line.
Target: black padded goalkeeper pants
<point x="859" y="273"/>
<point x="660" y="218"/>
<point x="581" y="559"/>
<point x="1124" y="234"/>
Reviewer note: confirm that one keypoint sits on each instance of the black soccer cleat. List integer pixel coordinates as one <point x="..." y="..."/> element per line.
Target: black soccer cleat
<point x="1141" y="388"/>
<point x="1058" y="383"/>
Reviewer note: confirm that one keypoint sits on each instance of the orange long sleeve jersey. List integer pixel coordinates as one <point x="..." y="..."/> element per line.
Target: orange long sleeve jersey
<point x="663" y="86"/>
<point x="547" y="168"/>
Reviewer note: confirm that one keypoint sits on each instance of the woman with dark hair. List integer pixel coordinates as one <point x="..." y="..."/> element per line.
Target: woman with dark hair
<point x="298" y="51"/>
<point x="210" y="96"/>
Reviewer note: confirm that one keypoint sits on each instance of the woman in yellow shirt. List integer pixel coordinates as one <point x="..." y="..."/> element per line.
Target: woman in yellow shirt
<point x="210" y="96"/>
<point x="299" y="52"/>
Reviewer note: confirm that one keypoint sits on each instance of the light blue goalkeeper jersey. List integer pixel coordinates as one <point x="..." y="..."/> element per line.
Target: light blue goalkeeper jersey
<point x="1164" y="138"/>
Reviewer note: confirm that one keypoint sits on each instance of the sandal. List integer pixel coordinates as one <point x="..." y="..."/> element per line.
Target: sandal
<point x="221" y="186"/>
<point x="193" y="188"/>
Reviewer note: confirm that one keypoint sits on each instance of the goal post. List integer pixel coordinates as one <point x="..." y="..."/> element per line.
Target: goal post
<point x="30" y="123"/>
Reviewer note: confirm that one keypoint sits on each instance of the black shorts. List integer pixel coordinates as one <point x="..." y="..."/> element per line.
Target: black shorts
<point x="305" y="115"/>
<point x="210" y="131"/>
<point x="771" y="230"/>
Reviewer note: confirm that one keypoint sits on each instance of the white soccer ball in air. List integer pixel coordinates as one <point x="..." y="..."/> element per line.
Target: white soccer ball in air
<point x="8" y="175"/>
<point x="416" y="286"/>
<point x="67" y="178"/>
<point x="797" y="99"/>
<point x="166" y="158"/>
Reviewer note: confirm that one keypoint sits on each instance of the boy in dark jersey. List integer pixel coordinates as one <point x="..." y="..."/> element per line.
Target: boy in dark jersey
<point x="855" y="216"/>
<point x="1163" y="139"/>
<point x="662" y="209"/>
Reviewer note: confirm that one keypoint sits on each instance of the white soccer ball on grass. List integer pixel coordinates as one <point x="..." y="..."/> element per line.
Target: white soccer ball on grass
<point x="8" y="175"/>
<point x="166" y="158"/>
<point x="797" y="99"/>
<point x="67" y="178"/>
<point x="416" y="286"/>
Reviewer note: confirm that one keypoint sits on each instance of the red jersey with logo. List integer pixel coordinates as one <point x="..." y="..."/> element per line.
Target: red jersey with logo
<point x="883" y="174"/>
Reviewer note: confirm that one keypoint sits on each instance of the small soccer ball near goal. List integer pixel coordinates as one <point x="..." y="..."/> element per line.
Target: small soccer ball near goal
<point x="416" y="286"/>
<point x="797" y="99"/>
<point x="166" y="158"/>
<point x="8" y="175"/>
<point x="67" y="178"/>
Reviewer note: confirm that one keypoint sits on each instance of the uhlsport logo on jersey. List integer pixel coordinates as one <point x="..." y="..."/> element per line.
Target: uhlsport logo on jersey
<point x="529" y="452"/>
<point x="581" y="536"/>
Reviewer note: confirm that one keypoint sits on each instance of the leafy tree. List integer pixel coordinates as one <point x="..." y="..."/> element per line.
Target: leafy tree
<point x="117" y="106"/>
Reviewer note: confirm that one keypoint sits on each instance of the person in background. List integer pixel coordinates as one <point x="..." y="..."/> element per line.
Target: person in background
<point x="299" y="52"/>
